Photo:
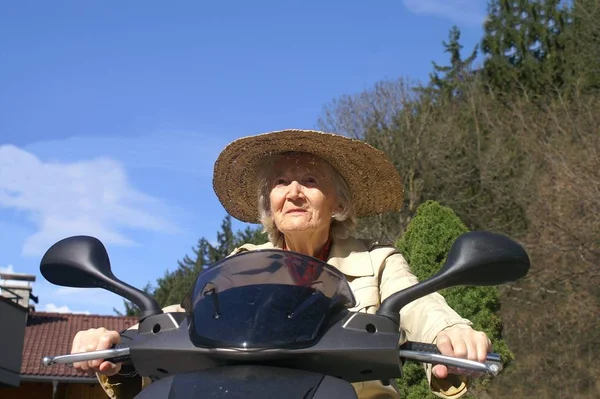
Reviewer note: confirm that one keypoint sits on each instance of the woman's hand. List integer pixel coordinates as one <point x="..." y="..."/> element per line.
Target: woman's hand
<point x="92" y="340"/>
<point x="463" y="342"/>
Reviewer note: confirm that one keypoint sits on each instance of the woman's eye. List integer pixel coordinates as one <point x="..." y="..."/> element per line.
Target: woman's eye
<point x="310" y="180"/>
<point x="279" y="182"/>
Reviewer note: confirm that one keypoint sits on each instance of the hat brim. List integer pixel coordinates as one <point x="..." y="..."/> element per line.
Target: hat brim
<point x="374" y="183"/>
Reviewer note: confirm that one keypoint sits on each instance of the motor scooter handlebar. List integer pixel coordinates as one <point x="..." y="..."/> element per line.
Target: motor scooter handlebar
<point x="427" y="353"/>
<point x="118" y="354"/>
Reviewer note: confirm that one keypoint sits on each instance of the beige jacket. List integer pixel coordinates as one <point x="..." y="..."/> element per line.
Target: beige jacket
<point x="374" y="272"/>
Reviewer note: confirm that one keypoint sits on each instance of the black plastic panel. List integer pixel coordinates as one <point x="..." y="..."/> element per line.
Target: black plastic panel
<point x="243" y="382"/>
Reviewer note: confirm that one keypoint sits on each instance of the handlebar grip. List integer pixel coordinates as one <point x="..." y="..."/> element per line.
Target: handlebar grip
<point x="432" y="348"/>
<point x="420" y="347"/>
<point x="119" y="359"/>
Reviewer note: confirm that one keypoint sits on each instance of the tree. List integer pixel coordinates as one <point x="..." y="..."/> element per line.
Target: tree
<point x="584" y="45"/>
<point x="226" y="242"/>
<point x="458" y="153"/>
<point x="525" y="45"/>
<point x="446" y="81"/>
<point x="173" y="286"/>
<point x="425" y="245"/>
<point x="551" y="316"/>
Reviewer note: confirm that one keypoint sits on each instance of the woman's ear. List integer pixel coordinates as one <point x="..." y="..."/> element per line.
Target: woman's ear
<point x="340" y="209"/>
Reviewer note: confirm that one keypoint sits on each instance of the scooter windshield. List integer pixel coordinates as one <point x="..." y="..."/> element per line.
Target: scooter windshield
<point x="265" y="299"/>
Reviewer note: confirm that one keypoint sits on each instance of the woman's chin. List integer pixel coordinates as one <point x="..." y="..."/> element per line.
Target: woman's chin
<point x="292" y="228"/>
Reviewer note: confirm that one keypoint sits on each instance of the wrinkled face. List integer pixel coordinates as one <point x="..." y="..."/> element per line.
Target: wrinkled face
<point x="302" y="197"/>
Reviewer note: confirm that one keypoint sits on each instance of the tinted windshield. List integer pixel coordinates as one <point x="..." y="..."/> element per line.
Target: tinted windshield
<point x="265" y="299"/>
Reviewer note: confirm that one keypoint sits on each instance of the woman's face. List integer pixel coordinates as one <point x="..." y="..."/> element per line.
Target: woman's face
<point x="302" y="196"/>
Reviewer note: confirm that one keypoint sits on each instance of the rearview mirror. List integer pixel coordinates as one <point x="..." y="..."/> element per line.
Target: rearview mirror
<point x="477" y="258"/>
<point x="82" y="261"/>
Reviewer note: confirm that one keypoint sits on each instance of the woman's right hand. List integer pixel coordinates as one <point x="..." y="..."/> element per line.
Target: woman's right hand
<point x="92" y="340"/>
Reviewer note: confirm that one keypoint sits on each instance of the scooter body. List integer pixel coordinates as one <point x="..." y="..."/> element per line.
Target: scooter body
<point x="275" y="323"/>
<point x="249" y="381"/>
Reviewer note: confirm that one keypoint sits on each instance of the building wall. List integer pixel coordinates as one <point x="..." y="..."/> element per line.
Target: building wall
<point x="12" y="333"/>
<point x="43" y="390"/>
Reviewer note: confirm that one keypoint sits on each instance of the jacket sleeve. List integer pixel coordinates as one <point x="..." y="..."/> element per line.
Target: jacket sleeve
<point x="423" y="319"/>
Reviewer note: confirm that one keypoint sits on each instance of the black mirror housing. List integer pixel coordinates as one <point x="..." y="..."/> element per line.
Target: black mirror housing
<point x="83" y="262"/>
<point x="477" y="258"/>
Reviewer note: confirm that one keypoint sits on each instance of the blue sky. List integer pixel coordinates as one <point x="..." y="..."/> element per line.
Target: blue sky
<point x="112" y="113"/>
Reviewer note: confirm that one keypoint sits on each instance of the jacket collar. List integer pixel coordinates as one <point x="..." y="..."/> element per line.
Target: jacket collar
<point x="351" y="257"/>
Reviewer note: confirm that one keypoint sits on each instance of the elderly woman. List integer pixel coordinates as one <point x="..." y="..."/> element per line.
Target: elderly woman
<point x="310" y="188"/>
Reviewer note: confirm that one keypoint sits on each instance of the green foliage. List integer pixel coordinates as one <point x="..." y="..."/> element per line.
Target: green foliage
<point x="525" y="43"/>
<point x="584" y="45"/>
<point x="425" y="245"/>
<point x="446" y="81"/>
<point x="413" y="384"/>
<point x="172" y="288"/>
<point x="542" y="47"/>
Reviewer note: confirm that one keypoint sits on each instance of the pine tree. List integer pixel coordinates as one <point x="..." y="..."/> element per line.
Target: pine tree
<point x="583" y="45"/>
<point x="524" y="44"/>
<point x="445" y="81"/>
<point x="498" y="44"/>
<point x="173" y="286"/>
<point x="225" y="242"/>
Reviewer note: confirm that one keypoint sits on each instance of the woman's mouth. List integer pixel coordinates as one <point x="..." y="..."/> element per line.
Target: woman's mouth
<point x="299" y="210"/>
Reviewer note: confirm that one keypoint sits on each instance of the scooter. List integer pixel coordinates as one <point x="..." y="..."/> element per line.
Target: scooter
<point x="250" y="330"/>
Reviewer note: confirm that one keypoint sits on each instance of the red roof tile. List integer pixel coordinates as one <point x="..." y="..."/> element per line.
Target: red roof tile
<point x="51" y="334"/>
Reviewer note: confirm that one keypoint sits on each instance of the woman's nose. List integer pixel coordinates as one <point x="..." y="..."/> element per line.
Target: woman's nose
<point x="295" y="189"/>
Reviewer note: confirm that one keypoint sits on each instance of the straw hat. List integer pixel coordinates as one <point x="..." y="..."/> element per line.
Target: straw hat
<point x="374" y="183"/>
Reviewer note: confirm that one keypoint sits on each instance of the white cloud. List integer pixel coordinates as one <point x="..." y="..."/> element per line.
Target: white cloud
<point x="52" y="308"/>
<point x="85" y="295"/>
<point x="92" y="197"/>
<point x="174" y="151"/>
<point x="470" y="12"/>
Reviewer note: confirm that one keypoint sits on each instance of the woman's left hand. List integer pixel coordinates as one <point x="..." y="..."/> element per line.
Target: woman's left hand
<point x="463" y="342"/>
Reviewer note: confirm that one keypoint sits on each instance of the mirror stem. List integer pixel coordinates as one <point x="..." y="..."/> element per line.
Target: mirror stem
<point x="392" y="305"/>
<point x="148" y="306"/>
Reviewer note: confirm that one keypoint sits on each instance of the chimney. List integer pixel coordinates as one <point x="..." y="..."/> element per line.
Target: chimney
<point x="17" y="288"/>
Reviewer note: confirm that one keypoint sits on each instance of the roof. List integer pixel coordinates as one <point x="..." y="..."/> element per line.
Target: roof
<point x="51" y="334"/>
